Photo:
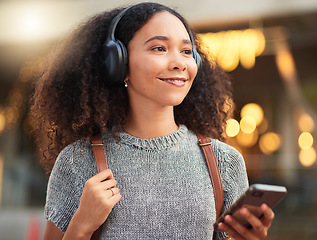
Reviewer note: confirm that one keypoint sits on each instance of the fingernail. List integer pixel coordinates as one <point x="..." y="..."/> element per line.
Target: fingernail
<point x="244" y="211"/>
<point x="228" y="219"/>
<point x="220" y="226"/>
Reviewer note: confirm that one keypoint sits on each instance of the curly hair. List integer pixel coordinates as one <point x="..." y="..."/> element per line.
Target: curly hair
<point x="71" y="100"/>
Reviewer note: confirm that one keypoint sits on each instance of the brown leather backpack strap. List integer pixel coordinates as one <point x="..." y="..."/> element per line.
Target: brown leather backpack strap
<point x="101" y="162"/>
<point x="97" y="147"/>
<point x="214" y="172"/>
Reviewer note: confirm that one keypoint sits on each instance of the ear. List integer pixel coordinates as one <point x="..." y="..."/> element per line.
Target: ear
<point x="126" y="78"/>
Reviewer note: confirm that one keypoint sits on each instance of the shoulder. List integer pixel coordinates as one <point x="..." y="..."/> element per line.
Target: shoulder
<point x="69" y="153"/>
<point x="70" y="172"/>
<point x="74" y="158"/>
<point x="225" y="152"/>
<point x="231" y="163"/>
<point x="227" y="156"/>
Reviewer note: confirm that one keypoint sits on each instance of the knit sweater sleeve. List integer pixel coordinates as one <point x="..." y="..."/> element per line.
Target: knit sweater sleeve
<point x="65" y="186"/>
<point x="233" y="173"/>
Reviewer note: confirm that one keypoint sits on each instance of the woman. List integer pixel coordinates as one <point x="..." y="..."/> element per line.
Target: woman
<point x="158" y="185"/>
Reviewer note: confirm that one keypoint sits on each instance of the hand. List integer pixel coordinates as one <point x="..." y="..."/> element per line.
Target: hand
<point x="259" y="229"/>
<point x="97" y="201"/>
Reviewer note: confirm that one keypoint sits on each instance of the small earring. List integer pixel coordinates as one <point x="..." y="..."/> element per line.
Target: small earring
<point x="126" y="83"/>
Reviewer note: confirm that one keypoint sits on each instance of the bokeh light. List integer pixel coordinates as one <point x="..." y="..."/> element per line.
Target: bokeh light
<point x="2" y="122"/>
<point x="247" y="140"/>
<point x="29" y="24"/>
<point x="305" y="140"/>
<point x="269" y="142"/>
<point x="286" y="65"/>
<point x="247" y="124"/>
<point x="307" y="157"/>
<point x="306" y="123"/>
<point x="253" y="110"/>
<point x="233" y="128"/>
<point x="234" y="46"/>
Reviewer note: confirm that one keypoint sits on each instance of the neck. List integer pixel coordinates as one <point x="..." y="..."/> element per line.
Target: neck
<point x="148" y="123"/>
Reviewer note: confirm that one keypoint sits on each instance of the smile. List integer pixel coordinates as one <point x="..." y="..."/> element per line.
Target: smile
<point x="163" y="79"/>
<point x="179" y="82"/>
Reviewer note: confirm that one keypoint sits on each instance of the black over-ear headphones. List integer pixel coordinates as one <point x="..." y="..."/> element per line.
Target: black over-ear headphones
<point x="115" y="54"/>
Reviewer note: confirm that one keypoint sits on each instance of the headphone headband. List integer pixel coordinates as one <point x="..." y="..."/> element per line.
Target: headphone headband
<point x="115" y="21"/>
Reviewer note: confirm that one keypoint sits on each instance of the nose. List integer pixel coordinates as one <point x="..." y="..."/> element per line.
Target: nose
<point x="177" y="62"/>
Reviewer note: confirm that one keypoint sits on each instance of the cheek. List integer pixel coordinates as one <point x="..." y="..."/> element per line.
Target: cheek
<point x="137" y="63"/>
<point x="145" y="67"/>
<point x="192" y="69"/>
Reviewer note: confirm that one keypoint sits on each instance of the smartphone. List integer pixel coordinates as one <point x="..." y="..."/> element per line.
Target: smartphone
<point x="252" y="199"/>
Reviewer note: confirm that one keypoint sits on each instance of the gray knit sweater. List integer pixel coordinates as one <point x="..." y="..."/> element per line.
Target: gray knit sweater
<point x="164" y="182"/>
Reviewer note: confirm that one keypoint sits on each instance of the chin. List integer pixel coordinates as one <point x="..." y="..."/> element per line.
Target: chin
<point x="177" y="102"/>
<point x="172" y="99"/>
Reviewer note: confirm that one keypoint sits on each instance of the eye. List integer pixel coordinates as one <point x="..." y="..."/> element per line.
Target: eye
<point x="159" y="49"/>
<point x="187" y="51"/>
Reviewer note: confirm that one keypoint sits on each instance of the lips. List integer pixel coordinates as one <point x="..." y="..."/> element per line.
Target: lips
<point x="177" y="81"/>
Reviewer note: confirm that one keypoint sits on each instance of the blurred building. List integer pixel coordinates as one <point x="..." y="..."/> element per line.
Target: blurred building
<point x="268" y="46"/>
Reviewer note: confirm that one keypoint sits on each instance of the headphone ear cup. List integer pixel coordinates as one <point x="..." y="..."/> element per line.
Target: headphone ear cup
<point x="123" y="62"/>
<point x="115" y="62"/>
<point x="198" y="60"/>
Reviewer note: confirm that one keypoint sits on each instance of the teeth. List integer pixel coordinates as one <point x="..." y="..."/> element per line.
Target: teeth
<point x="179" y="81"/>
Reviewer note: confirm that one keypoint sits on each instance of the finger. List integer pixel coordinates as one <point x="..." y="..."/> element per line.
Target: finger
<point x="268" y="215"/>
<point x="112" y="191"/>
<point x="238" y="231"/>
<point x="105" y="185"/>
<point x="226" y="228"/>
<point x="258" y="228"/>
<point x="114" y="199"/>
<point x="103" y="175"/>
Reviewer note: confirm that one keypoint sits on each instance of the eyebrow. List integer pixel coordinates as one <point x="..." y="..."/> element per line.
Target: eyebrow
<point x="164" y="38"/>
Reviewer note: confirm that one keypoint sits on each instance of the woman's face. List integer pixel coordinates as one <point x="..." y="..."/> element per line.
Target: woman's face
<point x="161" y="65"/>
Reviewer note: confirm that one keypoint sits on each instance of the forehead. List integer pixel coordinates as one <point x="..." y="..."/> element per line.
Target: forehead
<point x="162" y="24"/>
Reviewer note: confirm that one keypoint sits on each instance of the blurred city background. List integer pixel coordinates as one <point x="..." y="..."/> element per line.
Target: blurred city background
<point x="269" y="47"/>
